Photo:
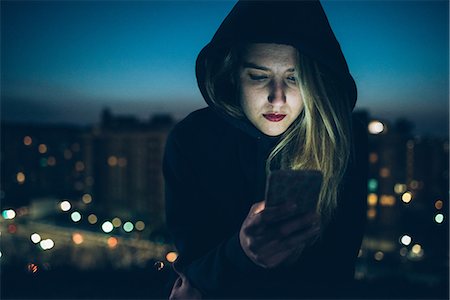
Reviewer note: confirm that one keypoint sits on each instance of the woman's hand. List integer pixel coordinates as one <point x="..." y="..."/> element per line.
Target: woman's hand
<point x="276" y="236"/>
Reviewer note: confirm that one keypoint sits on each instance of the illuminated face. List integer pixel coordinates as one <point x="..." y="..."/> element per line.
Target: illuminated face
<point x="268" y="88"/>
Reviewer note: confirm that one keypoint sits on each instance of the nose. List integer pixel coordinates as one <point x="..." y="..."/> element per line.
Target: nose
<point x="277" y="93"/>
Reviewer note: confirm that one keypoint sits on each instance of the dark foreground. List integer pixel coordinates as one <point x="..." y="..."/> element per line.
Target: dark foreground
<point x="149" y="284"/>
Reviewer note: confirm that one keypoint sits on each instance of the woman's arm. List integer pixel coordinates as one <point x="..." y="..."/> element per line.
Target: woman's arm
<point x="212" y="265"/>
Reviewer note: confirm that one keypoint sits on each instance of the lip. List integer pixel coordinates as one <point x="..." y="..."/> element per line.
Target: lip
<point x="274" y="117"/>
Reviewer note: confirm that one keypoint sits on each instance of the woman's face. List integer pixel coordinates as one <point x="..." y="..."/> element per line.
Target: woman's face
<point x="268" y="89"/>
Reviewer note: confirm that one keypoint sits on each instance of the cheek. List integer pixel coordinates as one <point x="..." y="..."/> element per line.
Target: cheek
<point x="248" y="99"/>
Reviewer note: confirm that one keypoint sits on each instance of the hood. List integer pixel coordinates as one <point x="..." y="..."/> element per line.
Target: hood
<point x="301" y="24"/>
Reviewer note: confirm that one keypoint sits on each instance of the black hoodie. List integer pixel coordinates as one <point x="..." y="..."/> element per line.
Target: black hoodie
<point x="214" y="171"/>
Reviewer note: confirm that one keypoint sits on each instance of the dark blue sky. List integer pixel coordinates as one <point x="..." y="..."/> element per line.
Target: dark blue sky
<point x="64" y="61"/>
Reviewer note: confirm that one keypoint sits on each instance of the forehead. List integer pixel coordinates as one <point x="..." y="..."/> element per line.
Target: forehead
<point x="270" y="54"/>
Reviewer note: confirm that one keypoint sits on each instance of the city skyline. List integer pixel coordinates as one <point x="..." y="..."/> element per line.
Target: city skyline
<point x="138" y="58"/>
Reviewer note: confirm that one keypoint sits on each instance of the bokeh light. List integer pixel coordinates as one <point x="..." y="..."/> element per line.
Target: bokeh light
<point x="376" y="127"/>
<point x="112" y="161"/>
<point x="35" y="238"/>
<point x="92" y="219"/>
<point x="51" y="161"/>
<point x="416" y="249"/>
<point x="171" y="257"/>
<point x="372" y="199"/>
<point x="77" y="238"/>
<point x="128" y="226"/>
<point x="20" y="177"/>
<point x="87" y="198"/>
<point x="107" y="226"/>
<point x="439" y="218"/>
<point x="9" y="214"/>
<point x="406" y="240"/>
<point x="47" y="244"/>
<point x="407" y="197"/>
<point x="159" y="265"/>
<point x="32" y="268"/>
<point x="379" y="256"/>
<point x="399" y="188"/>
<point x="112" y="242"/>
<point x="27" y="140"/>
<point x="438" y="204"/>
<point x="117" y="222"/>
<point x="75" y="216"/>
<point x="65" y="205"/>
<point x="42" y="148"/>
<point x="140" y="225"/>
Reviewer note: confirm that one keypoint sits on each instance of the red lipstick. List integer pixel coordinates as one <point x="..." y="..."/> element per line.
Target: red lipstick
<point x="274" y="117"/>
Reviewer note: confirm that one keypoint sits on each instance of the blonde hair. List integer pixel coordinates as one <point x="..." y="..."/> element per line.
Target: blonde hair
<point x="319" y="139"/>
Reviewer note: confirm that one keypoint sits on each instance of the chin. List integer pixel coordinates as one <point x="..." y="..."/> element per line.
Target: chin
<point x="273" y="132"/>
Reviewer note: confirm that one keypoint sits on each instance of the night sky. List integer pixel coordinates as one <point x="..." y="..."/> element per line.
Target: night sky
<point x="64" y="61"/>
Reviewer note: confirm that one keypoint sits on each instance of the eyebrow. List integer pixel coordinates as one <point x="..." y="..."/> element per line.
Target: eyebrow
<point x="255" y="66"/>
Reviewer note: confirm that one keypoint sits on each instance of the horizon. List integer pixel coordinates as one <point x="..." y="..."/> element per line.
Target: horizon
<point x="139" y="58"/>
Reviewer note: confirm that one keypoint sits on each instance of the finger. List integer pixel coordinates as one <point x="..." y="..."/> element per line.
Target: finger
<point x="298" y="223"/>
<point x="257" y="207"/>
<point x="279" y="212"/>
<point x="301" y="238"/>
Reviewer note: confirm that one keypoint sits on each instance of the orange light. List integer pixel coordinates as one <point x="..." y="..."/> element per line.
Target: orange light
<point x="372" y="199"/>
<point x="371" y="213"/>
<point x="385" y="172"/>
<point x="373" y="157"/>
<point x="77" y="238"/>
<point x="27" y="141"/>
<point x="112" y="161"/>
<point x="112" y="242"/>
<point x="20" y="177"/>
<point x="32" y="268"/>
<point x="438" y="204"/>
<point x="87" y="198"/>
<point x="42" y="148"/>
<point x="387" y="200"/>
<point x="171" y="257"/>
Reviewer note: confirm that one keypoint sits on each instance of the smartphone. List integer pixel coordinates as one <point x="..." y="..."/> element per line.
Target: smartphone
<point x="302" y="186"/>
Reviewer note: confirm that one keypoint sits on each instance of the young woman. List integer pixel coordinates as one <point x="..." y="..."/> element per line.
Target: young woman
<point x="279" y="96"/>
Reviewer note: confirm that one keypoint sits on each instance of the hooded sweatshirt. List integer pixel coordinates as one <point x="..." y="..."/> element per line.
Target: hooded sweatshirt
<point x="214" y="171"/>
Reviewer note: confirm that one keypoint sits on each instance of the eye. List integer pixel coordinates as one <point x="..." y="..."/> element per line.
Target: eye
<point x="292" y="79"/>
<point x="258" y="77"/>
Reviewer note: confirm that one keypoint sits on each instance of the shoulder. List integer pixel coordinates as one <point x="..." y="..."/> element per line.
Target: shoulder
<point x="199" y="131"/>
